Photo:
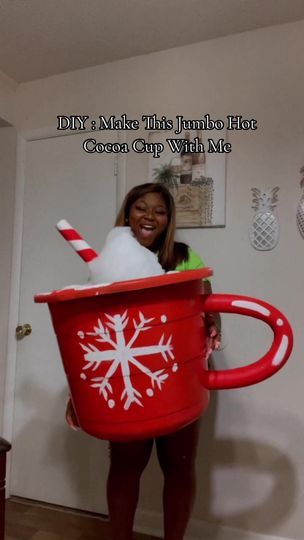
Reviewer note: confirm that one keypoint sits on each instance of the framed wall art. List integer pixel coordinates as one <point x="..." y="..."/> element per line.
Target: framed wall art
<point x="196" y="179"/>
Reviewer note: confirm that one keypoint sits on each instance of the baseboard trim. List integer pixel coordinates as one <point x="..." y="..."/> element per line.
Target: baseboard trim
<point x="150" y="523"/>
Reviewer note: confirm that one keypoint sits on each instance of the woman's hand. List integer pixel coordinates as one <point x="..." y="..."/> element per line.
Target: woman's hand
<point x="213" y="326"/>
<point x="213" y="337"/>
<point x="70" y="415"/>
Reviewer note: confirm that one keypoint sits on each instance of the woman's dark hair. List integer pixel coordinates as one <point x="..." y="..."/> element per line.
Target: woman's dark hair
<point x="170" y="253"/>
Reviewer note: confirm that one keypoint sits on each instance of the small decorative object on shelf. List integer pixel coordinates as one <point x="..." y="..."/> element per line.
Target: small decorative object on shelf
<point x="165" y="175"/>
<point x="264" y="231"/>
<point x="300" y="210"/>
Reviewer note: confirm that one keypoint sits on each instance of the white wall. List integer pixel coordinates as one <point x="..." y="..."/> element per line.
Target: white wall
<point x="7" y="92"/>
<point x="8" y="142"/>
<point x="251" y="460"/>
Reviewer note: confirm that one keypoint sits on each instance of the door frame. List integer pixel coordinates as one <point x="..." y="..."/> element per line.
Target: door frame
<point x="16" y="258"/>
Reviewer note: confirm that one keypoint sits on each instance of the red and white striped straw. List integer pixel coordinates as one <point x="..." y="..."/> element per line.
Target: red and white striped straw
<point x="76" y="241"/>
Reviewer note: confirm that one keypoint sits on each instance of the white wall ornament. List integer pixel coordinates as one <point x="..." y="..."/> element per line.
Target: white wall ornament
<point x="300" y="209"/>
<point x="264" y="230"/>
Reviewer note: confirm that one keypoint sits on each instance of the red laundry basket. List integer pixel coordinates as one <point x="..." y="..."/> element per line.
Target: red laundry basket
<point x="134" y="352"/>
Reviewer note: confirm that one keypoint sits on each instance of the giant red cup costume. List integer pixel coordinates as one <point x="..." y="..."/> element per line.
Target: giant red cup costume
<point x="134" y="352"/>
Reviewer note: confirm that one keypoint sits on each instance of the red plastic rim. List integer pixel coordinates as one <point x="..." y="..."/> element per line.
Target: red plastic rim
<point x="72" y="293"/>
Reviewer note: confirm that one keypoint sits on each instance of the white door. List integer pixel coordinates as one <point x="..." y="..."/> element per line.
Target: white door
<point x="50" y="462"/>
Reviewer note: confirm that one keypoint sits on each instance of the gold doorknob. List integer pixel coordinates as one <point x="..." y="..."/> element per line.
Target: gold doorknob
<point x="23" y="330"/>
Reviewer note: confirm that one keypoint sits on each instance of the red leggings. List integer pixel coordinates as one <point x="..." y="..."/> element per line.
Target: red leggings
<point x="176" y="455"/>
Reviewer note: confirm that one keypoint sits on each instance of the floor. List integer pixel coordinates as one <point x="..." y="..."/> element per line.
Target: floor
<point x="29" y="520"/>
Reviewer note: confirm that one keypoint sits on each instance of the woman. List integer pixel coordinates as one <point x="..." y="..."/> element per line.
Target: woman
<point x="149" y="211"/>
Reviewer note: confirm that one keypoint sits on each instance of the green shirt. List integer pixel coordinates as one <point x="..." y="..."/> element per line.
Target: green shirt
<point x="194" y="261"/>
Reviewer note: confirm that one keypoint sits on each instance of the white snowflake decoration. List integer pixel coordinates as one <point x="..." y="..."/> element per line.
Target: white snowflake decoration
<point x="121" y="354"/>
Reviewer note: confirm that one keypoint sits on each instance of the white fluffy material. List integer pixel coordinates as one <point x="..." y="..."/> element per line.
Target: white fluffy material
<point x="123" y="258"/>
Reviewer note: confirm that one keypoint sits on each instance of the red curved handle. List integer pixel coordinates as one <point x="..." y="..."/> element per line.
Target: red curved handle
<point x="271" y="362"/>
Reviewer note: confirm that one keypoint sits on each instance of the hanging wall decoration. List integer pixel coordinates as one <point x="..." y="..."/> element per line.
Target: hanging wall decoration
<point x="196" y="178"/>
<point x="264" y="230"/>
<point x="300" y="209"/>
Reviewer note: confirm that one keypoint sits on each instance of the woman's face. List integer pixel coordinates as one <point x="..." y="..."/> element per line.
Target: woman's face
<point x="148" y="218"/>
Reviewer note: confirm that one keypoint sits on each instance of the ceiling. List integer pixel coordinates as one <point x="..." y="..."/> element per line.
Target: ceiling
<point x="42" y="38"/>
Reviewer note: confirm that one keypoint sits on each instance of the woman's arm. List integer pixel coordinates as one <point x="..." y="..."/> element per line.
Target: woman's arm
<point x="213" y="325"/>
<point x="213" y="321"/>
<point x="70" y="415"/>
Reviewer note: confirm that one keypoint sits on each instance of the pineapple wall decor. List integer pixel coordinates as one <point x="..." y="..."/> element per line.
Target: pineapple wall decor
<point x="264" y="231"/>
<point x="300" y="209"/>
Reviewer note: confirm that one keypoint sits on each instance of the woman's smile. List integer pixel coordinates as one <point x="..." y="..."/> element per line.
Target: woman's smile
<point x="147" y="230"/>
